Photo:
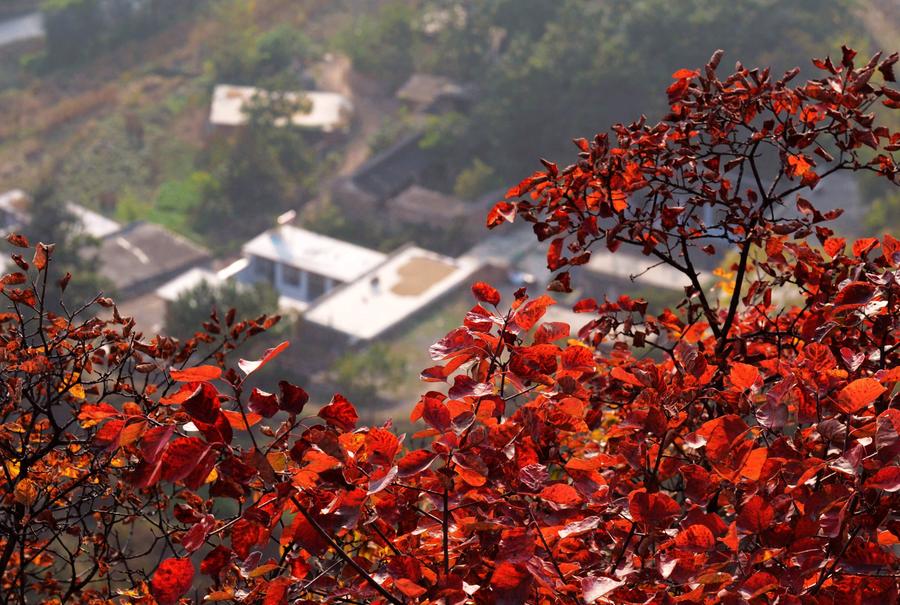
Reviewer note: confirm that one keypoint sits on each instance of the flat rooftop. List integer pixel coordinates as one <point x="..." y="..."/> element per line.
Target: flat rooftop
<point x="310" y="251"/>
<point x="328" y="111"/>
<point x="405" y="283"/>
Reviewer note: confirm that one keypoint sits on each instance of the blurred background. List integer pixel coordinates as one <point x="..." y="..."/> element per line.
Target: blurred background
<point x="335" y="159"/>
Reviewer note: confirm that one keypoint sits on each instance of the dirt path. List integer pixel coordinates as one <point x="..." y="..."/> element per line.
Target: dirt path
<point x="371" y="106"/>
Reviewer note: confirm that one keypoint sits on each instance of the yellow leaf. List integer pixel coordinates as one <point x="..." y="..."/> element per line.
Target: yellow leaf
<point x="262" y="570"/>
<point x="212" y="476"/>
<point x="71" y="384"/>
<point x="26" y="492"/>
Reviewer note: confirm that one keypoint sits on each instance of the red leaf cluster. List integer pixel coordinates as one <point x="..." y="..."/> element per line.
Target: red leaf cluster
<point x="735" y="450"/>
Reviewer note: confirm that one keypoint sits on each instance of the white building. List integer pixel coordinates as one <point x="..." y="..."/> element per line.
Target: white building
<point x="320" y="111"/>
<point x="408" y="281"/>
<point x="303" y="265"/>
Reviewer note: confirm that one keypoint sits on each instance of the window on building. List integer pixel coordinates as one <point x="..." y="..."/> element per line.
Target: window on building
<point x="290" y="275"/>
<point x="265" y="268"/>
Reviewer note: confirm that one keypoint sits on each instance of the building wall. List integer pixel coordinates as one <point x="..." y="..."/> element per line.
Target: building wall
<point x="289" y="281"/>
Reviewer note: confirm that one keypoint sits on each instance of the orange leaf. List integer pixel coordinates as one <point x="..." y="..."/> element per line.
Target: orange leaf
<point x="197" y="374"/>
<point x="743" y="376"/>
<point x="859" y="394"/>
<point x="486" y="293"/>
<point x="339" y="413"/>
<point x="248" y="367"/>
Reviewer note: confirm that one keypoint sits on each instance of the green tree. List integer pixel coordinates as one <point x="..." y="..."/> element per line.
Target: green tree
<point x="370" y="371"/>
<point x="566" y="66"/>
<point x="382" y="45"/>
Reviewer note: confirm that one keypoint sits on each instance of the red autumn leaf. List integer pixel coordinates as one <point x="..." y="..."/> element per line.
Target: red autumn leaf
<point x="238" y="421"/>
<point x="551" y="331"/>
<point x="263" y="403"/>
<point x="197" y="534"/>
<point x="248" y="367"/>
<point x="415" y="462"/>
<point x="755" y="516"/>
<point x="378" y="482"/>
<point x="652" y="509"/>
<point x="215" y="561"/>
<point x="277" y="590"/>
<point x="41" y="255"/>
<point x="171" y="580"/>
<point x="511" y="582"/>
<point x="91" y="414"/>
<point x="202" y="403"/>
<point x="196" y="374"/>
<point x="486" y="293"/>
<point x="500" y="213"/>
<point x="685" y="73"/>
<point x="382" y="446"/>
<point x="340" y="413"/>
<point x="532" y="311"/>
<point x="859" y="394"/>
<point x="435" y="413"/>
<point x="834" y="246"/>
<point x="743" y="376"/>
<point x="13" y="279"/>
<point x="561" y="496"/>
<point x="863" y="246"/>
<point x="854" y="293"/>
<point x="247" y="534"/>
<point x="626" y="377"/>
<point x="181" y="456"/>
<point x="409" y="588"/>
<point x="887" y="479"/>
<point x="291" y="398"/>
<point x="154" y="441"/>
<point x="18" y="240"/>
<point x="758" y="584"/>
<point x="697" y="538"/>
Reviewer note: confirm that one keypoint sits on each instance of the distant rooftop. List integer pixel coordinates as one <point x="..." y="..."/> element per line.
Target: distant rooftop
<point x="309" y="251"/>
<point x="190" y="279"/>
<point x="93" y="223"/>
<point x="394" y="169"/>
<point x="328" y="111"/>
<point x="142" y="255"/>
<point x="420" y="205"/>
<point x="425" y="89"/>
<point x="405" y="283"/>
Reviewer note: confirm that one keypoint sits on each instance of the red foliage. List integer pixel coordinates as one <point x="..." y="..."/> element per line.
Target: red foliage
<point x="738" y="449"/>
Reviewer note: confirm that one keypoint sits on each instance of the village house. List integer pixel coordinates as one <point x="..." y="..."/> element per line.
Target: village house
<point x="426" y="93"/>
<point x="302" y="265"/>
<point x="417" y="205"/>
<point x="384" y="298"/>
<point x="316" y="111"/>
<point x="142" y="256"/>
